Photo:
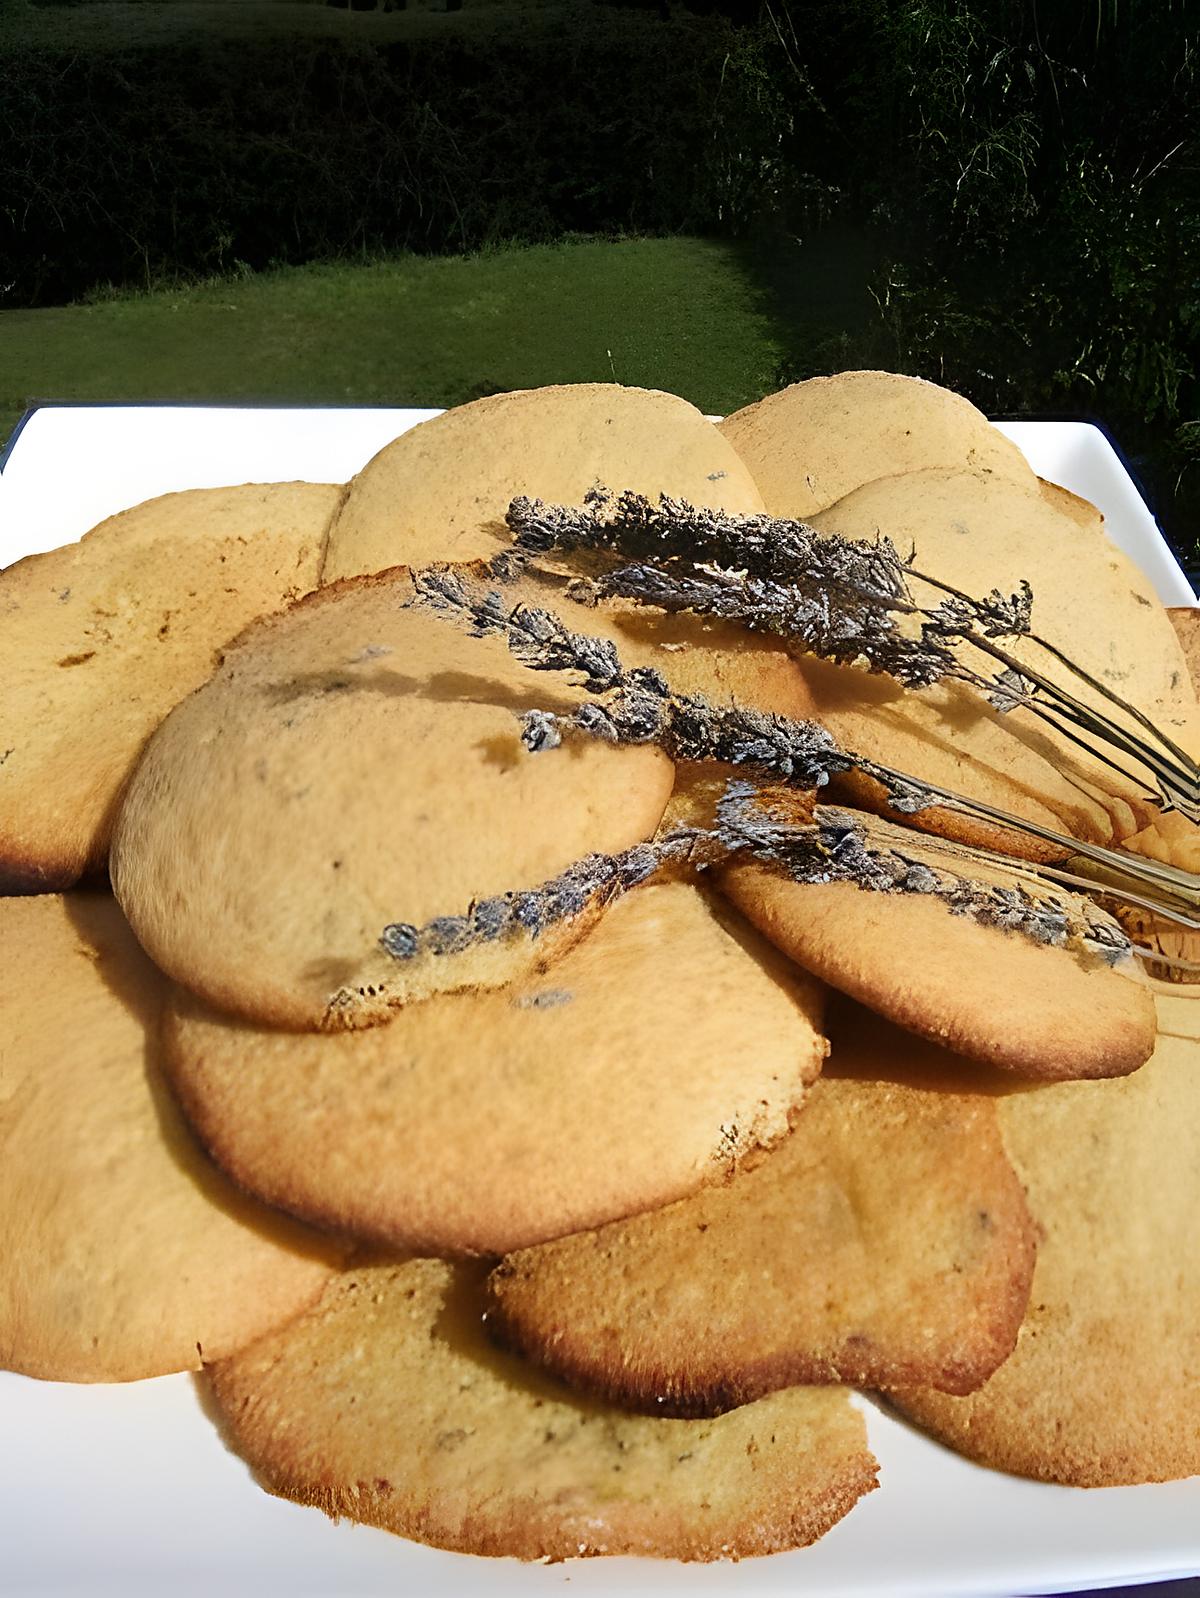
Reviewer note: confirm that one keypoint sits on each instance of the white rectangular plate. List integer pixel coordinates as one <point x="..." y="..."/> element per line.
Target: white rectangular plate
<point x="128" y="1490"/>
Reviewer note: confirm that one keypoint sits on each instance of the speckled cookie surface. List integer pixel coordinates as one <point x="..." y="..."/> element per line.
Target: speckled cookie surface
<point x="1102" y="1388"/>
<point x="100" y="638"/>
<point x="655" y="1055"/>
<point x="980" y="532"/>
<point x="387" y="1404"/>
<point x="887" y="1235"/>
<point x="126" y="1253"/>
<point x="993" y="995"/>
<point x="440" y="491"/>
<point x="815" y="442"/>
<point x="356" y="762"/>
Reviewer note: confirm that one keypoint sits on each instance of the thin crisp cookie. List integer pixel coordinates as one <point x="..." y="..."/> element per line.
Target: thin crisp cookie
<point x="886" y="1235"/>
<point x="817" y="441"/>
<point x="1021" y="1000"/>
<point x="488" y="1121"/>
<point x="440" y="491"/>
<point x="99" y="639"/>
<point x="356" y="763"/>
<point x="1102" y="1388"/>
<point x="387" y="1404"/>
<point x="127" y="1254"/>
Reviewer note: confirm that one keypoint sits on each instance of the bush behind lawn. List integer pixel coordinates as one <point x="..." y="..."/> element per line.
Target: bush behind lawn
<point x="197" y="155"/>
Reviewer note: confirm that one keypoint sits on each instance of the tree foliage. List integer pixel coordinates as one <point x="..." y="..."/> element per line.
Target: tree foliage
<point x="1032" y="174"/>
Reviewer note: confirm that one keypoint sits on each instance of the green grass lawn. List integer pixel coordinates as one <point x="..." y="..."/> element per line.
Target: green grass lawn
<point x="679" y="314"/>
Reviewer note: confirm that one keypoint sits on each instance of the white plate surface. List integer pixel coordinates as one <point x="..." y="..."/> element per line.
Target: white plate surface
<point x="128" y="1490"/>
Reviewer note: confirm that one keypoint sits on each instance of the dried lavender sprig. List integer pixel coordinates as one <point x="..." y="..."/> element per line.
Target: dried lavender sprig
<point x="841" y="633"/>
<point x="688" y="728"/>
<point x="785" y="578"/>
<point x="1042" y="872"/>
<point x="783" y="551"/>
<point x="857" y="586"/>
<point x="1091" y="885"/>
<point x="805" y="755"/>
<point x="996" y="615"/>
<point x="642" y="709"/>
<point x="776" y="550"/>
<point x="869" y="583"/>
<point x="1180" y="889"/>
<point x="534" y="911"/>
<point x="837" y="847"/>
<point x="832" y="632"/>
<point x="537" y="638"/>
<point x="845" y="635"/>
<point x="831" y="596"/>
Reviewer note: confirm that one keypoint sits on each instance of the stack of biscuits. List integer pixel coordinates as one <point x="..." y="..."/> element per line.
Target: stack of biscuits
<point x="573" y="1238"/>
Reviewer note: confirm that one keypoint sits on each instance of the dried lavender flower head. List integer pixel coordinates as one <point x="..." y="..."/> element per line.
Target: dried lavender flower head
<point x="639" y="706"/>
<point x="531" y="912"/>
<point x="841" y="599"/>
<point x="837" y="845"/>
<point x="631" y="526"/>
<point x="827" y="595"/>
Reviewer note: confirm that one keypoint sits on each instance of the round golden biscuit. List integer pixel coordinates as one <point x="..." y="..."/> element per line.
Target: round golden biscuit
<point x="387" y="1404"/>
<point x="476" y="1123"/>
<point x="816" y="442"/>
<point x="126" y="1253"/>
<point x="885" y="1241"/>
<point x="99" y="639"/>
<point x="440" y="491"/>
<point x="979" y="532"/>
<point x="992" y="995"/>
<point x="355" y="763"/>
<point x="1101" y="1389"/>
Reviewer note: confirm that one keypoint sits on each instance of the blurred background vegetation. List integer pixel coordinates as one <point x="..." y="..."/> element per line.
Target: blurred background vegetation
<point x="256" y="198"/>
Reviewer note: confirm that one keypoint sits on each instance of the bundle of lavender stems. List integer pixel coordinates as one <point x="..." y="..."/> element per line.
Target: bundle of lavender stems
<point x="844" y="602"/>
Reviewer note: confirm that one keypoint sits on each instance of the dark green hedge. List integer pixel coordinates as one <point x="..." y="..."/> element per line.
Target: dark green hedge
<point x="128" y="165"/>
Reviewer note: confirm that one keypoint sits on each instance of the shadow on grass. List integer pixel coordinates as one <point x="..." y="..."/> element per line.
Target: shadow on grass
<point x="814" y="292"/>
